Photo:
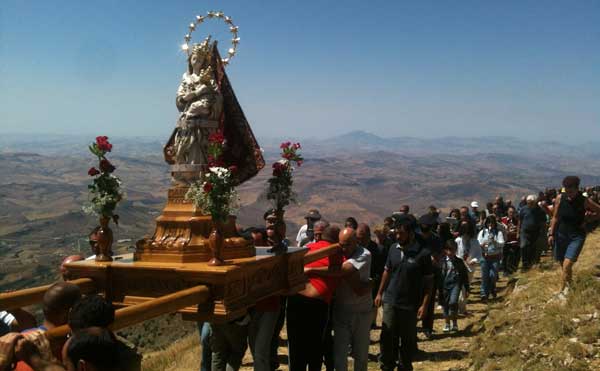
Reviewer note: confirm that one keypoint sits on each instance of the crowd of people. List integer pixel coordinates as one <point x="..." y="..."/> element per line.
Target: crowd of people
<point x="406" y="266"/>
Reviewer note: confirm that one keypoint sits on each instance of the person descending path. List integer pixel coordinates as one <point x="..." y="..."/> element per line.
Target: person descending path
<point x="566" y="232"/>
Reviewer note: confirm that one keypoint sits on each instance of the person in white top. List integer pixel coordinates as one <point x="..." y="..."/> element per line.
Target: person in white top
<point x="491" y="240"/>
<point x="468" y="245"/>
<point x="469" y="251"/>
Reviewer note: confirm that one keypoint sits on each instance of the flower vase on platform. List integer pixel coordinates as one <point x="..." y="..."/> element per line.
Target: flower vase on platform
<point x="215" y="242"/>
<point x="280" y="227"/>
<point x="104" y="241"/>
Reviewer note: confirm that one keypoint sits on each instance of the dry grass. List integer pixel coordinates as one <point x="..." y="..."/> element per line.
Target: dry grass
<point x="181" y="355"/>
<point x="531" y="331"/>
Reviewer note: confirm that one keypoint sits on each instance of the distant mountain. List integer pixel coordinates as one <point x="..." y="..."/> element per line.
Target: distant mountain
<point x="367" y="142"/>
<point x="355" y="141"/>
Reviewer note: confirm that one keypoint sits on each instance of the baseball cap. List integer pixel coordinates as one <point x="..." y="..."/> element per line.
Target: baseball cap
<point x="313" y="214"/>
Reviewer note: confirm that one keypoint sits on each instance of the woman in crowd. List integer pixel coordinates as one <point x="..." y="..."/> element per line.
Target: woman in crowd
<point x="566" y="232"/>
<point x="511" y="252"/>
<point x="491" y="240"/>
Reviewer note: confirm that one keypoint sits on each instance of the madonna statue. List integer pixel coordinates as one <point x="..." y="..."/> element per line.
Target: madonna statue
<point x="206" y="103"/>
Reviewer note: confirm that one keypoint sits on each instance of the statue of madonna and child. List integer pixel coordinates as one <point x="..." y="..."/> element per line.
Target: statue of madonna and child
<point x="207" y="104"/>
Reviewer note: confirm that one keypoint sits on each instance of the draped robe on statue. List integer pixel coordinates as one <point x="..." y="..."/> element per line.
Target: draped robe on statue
<point x="241" y="147"/>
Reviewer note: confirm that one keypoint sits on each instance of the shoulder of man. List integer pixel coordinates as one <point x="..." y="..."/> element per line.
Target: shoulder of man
<point x="361" y="254"/>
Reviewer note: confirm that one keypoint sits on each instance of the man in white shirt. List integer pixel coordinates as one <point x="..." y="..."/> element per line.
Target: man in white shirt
<point x="305" y="234"/>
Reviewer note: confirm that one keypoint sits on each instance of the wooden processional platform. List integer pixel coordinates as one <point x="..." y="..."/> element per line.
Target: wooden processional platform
<point x="176" y="258"/>
<point x="234" y="287"/>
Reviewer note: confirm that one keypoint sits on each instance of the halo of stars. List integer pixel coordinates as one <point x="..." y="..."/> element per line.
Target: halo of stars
<point x="214" y="15"/>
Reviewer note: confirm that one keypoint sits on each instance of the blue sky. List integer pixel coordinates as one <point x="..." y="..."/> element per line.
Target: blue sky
<point x="309" y="68"/>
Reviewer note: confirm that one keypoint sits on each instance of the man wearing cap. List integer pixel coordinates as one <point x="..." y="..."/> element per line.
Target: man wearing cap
<point x="275" y="232"/>
<point x="305" y="234"/>
<point x="408" y="273"/>
<point x="429" y="239"/>
<point x="475" y="214"/>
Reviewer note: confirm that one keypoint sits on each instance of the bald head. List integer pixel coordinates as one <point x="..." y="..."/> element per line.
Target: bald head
<point x="348" y="241"/>
<point x="58" y="301"/>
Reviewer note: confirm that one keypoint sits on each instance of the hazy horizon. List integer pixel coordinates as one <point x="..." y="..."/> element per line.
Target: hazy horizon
<point x="91" y="137"/>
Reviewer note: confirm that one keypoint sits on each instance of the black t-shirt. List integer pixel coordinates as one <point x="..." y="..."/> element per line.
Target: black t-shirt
<point x="571" y="215"/>
<point x="407" y="269"/>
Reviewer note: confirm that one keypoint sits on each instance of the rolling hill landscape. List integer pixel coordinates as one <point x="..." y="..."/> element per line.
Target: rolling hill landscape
<point x="356" y="174"/>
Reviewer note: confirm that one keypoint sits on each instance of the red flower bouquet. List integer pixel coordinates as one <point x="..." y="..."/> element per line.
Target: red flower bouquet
<point x="105" y="190"/>
<point x="280" y="191"/>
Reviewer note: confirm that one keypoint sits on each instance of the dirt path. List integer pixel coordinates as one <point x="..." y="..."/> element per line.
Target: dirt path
<point x="442" y="352"/>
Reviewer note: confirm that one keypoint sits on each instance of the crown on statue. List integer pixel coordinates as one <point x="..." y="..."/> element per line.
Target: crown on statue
<point x="203" y="49"/>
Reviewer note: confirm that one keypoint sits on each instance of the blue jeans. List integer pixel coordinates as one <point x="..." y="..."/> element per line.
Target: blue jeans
<point x="205" y="332"/>
<point x="489" y="276"/>
<point x="568" y="246"/>
<point x="450" y="302"/>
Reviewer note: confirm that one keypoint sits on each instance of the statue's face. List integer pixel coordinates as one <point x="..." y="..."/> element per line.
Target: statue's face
<point x="196" y="60"/>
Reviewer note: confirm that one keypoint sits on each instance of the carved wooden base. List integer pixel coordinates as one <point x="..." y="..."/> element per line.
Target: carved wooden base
<point x="235" y="286"/>
<point x="182" y="233"/>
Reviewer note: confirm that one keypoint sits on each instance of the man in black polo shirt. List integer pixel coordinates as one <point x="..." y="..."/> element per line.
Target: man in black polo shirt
<point x="430" y="240"/>
<point x="408" y="274"/>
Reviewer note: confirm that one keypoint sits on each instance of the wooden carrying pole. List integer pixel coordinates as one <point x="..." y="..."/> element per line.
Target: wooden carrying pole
<point x="34" y="295"/>
<point x="321" y="253"/>
<point x="152" y="308"/>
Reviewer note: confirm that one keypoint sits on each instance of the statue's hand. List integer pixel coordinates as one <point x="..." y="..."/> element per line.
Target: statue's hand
<point x="189" y="96"/>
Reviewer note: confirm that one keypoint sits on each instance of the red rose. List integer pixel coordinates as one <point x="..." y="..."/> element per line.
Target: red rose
<point x="106" y="166"/>
<point x="216" y="137"/>
<point x="207" y="187"/>
<point x="278" y="169"/>
<point x="288" y="155"/>
<point x="93" y="171"/>
<point x="103" y="144"/>
<point x="296" y="146"/>
<point x="233" y="169"/>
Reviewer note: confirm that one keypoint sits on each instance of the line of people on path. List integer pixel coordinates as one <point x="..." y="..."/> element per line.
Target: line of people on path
<point x="408" y="265"/>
